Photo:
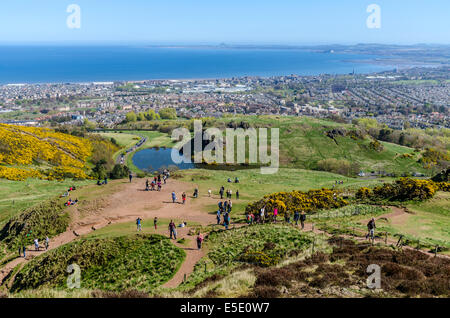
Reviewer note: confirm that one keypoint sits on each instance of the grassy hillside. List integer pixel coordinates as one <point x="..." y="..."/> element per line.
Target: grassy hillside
<point x="265" y="245"/>
<point x="140" y="262"/>
<point x="17" y="196"/>
<point x="253" y="185"/>
<point x="29" y="152"/>
<point x="304" y="142"/>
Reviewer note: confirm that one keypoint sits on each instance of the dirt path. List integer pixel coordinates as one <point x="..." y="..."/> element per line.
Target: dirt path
<point x="397" y="215"/>
<point x="193" y="255"/>
<point x="132" y="202"/>
<point x="125" y="206"/>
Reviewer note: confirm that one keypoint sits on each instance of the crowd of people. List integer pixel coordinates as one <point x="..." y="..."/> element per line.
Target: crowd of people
<point x="157" y="182"/>
<point x="265" y="216"/>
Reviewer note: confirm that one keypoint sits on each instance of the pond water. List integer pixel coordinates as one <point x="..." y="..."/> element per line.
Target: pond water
<point x="153" y="159"/>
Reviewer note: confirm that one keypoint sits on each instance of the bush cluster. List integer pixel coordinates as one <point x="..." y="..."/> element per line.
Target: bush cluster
<point x="404" y="189"/>
<point x="310" y="201"/>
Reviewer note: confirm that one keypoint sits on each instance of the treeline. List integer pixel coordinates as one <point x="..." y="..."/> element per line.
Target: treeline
<point x="164" y="113"/>
<point x="414" y="138"/>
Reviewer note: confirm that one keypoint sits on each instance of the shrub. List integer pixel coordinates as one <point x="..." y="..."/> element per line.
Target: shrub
<point x="363" y="193"/>
<point x="312" y="200"/>
<point x="376" y="145"/>
<point x="402" y="190"/>
<point x="119" y="172"/>
<point x="341" y="166"/>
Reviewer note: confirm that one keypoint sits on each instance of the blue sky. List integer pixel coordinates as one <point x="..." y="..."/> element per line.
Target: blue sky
<point x="230" y="21"/>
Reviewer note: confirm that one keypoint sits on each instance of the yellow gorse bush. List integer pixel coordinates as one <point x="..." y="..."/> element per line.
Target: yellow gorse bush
<point x="310" y="201"/>
<point x="16" y="174"/>
<point x="29" y="145"/>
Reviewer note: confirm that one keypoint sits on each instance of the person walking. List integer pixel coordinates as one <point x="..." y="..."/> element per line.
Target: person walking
<point x="237" y="194"/>
<point x="371" y="229"/>
<point x="218" y="219"/>
<point x="173" y="230"/>
<point x="222" y="189"/>
<point x="24" y="250"/>
<point x="36" y="244"/>
<point x="230" y="206"/>
<point x="261" y="215"/>
<point x="174" y="197"/>
<point x="296" y="217"/>
<point x="287" y="217"/>
<point x="183" y="197"/>
<point x="209" y="192"/>
<point x="199" y="240"/>
<point x="275" y="214"/>
<point x="155" y="222"/>
<point x="138" y="224"/>
<point x="47" y="243"/>
<point x="303" y="219"/>
<point x="130" y="176"/>
<point x="225" y="220"/>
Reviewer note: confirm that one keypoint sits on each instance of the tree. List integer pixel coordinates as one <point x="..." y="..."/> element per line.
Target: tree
<point x="119" y="172"/>
<point x="151" y="115"/>
<point x="168" y="113"/>
<point x="141" y="117"/>
<point x="131" y="117"/>
<point x="88" y="124"/>
<point x="99" y="171"/>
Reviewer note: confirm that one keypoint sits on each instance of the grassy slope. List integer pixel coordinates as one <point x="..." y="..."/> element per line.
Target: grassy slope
<point x="128" y="228"/>
<point x="430" y="221"/>
<point x="16" y="196"/>
<point x="139" y="261"/>
<point x="254" y="185"/>
<point x="225" y="246"/>
<point x="124" y="140"/>
<point x="303" y="143"/>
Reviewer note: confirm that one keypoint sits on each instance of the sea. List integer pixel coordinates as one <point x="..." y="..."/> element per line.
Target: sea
<point x="75" y="64"/>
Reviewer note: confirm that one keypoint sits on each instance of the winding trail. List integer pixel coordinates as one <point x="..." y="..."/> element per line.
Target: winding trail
<point x="131" y="201"/>
<point x="125" y="206"/>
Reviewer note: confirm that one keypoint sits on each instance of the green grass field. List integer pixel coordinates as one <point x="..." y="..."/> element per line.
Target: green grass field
<point x="129" y="228"/>
<point x="124" y="140"/>
<point x="429" y="223"/>
<point x="16" y="196"/>
<point x="253" y="185"/>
